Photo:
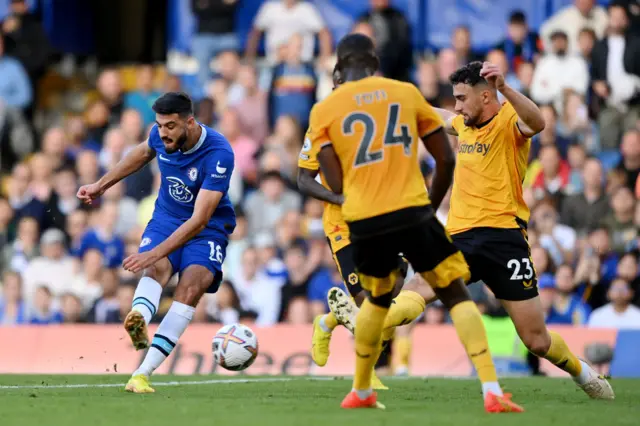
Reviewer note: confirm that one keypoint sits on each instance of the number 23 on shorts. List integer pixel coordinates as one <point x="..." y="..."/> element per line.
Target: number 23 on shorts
<point x="517" y="265"/>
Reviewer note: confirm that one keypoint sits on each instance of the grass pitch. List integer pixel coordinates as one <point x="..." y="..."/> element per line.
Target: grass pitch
<point x="282" y="401"/>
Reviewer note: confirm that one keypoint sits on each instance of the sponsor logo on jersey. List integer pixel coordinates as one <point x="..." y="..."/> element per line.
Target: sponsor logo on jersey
<point x="220" y="170"/>
<point x="179" y="191"/>
<point x="474" y="148"/>
<point x="145" y="242"/>
<point x="307" y="145"/>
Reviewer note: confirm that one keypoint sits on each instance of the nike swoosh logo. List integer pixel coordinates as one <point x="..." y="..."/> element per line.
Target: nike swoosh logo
<point x="163" y="158"/>
<point x="478" y="353"/>
<point x="220" y="170"/>
<point x="363" y="356"/>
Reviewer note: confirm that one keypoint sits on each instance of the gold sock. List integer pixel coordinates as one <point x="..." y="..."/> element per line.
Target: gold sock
<point x="368" y="335"/>
<point x="561" y="356"/>
<point x="405" y="308"/>
<point x="402" y="350"/>
<point x="468" y="323"/>
<point x="330" y="321"/>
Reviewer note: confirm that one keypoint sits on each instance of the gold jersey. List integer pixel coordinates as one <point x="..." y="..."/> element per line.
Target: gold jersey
<point x="487" y="183"/>
<point x="375" y="125"/>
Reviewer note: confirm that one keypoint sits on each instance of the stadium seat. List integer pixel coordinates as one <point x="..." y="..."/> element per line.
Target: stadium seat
<point x="625" y="355"/>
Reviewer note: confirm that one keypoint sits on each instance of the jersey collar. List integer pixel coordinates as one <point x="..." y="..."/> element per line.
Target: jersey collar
<point x="197" y="146"/>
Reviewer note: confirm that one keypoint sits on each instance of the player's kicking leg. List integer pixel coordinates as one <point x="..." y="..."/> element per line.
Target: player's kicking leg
<point x="528" y="318"/>
<point x="194" y="282"/>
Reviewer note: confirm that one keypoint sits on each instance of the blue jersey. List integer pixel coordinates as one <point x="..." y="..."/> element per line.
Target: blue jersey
<point x="208" y="165"/>
<point x="112" y="248"/>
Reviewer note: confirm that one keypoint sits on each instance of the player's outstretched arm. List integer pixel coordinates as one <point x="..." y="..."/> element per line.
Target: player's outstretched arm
<point x="448" y="117"/>
<point x="331" y="169"/>
<point x="438" y="145"/>
<point x="206" y="204"/>
<point x="530" y="120"/>
<point x="308" y="185"/>
<point x="137" y="158"/>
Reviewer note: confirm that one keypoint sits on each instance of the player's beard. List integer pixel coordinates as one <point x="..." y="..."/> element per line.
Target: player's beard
<point x="179" y="143"/>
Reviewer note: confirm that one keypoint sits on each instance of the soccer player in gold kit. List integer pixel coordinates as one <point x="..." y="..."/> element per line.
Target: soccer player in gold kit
<point x="368" y="130"/>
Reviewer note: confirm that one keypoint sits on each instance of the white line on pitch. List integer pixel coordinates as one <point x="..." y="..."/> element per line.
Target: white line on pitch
<point x="172" y="383"/>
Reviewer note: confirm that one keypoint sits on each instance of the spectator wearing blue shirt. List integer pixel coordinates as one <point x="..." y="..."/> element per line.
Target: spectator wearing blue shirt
<point x="143" y="98"/>
<point x="521" y="44"/>
<point x="293" y="86"/>
<point x="15" y="88"/>
<point x="102" y="238"/>
<point x="13" y="309"/>
<point x="43" y="310"/>
<point x="321" y="281"/>
<point x="567" y="307"/>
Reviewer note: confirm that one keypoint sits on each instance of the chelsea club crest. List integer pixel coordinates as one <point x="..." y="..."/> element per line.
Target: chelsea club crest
<point x="193" y="174"/>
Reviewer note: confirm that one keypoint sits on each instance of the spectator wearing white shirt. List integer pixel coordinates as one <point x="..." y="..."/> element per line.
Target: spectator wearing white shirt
<point x="581" y="14"/>
<point x="280" y="20"/>
<point x="559" y="240"/>
<point x="619" y="313"/>
<point x="557" y="72"/>
<point x="616" y="78"/>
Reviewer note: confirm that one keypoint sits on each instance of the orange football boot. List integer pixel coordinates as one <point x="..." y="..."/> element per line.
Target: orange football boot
<point x="352" y="400"/>
<point x="501" y="404"/>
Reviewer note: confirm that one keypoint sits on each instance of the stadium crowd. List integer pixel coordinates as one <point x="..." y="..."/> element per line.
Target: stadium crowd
<point x="60" y="261"/>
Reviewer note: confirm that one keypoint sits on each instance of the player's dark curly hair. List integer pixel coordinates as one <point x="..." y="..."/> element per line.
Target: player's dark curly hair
<point x="356" y="51"/>
<point x="468" y="74"/>
<point x="174" y="103"/>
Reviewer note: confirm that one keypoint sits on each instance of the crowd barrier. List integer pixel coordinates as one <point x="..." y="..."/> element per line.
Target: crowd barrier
<point x="283" y="349"/>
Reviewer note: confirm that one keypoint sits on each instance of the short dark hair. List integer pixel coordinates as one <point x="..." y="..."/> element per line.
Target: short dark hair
<point x="174" y="103"/>
<point x="518" y="17"/>
<point x="358" y="51"/>
<point x="468" y="74"/>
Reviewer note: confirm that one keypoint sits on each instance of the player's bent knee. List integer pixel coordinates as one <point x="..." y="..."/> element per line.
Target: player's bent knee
<point x="193" y="284"/>
<point x="383" y="300"/>
<point x="537" y="341"/>
<point x="453" y="294"/>
<point x="160" y="272"/>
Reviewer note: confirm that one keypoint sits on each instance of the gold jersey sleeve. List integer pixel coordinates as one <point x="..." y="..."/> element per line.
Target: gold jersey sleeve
<point x="487" y="182"/>
<point x="375" y="125"/>
<point x="334" y="225"/>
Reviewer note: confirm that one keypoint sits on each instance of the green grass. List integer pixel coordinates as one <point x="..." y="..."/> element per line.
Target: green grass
<point x="302" y="402"/>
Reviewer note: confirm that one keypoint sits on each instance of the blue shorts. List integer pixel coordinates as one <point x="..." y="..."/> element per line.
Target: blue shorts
<point x="207" y="249"/>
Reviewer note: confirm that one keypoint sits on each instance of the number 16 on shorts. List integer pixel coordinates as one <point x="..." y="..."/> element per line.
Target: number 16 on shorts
<point x="215" y="254"/>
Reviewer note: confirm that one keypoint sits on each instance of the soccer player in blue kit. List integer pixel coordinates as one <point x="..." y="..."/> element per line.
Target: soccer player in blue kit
<point x="189" y="230"/>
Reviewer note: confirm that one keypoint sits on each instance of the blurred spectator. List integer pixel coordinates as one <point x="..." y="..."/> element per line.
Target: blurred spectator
<point x="567" y="308"/>
<point x="144" y="96"/>
<point x="280" y="20"/>
<point x="586" y="42"/>
<point x="41" y="176"/>
<point x="205" y="112"/>
<point x="269" y="203"/>
<point x="554" y="175"/>
<point x="238" y="243"/>
<point x="430" y="86"/>
<point x="393" y="39"/>
<point x="574" y="123"/>
<point x="54" y="268"/>
<point x="87" y="167"/>
<point x="43" y="312"/>
<point x="27" y="40"/>
<point x="18" y="254"/>
<point x="583" y="211"/>
<point x="226" y="305"/>
<point x="616" y="78"/>
<point x="557" y="71"/>
<point x="525" y="76"/>
<point x="6" y="214"/>
<point x="295" y="290"/>
<point x="498" y="57"/>
<point x="71" y="308"/>
<point x="13" y="308"/>
<point x="109" y="86"/>
<point x="258" y="292"/>
<point x="620" y="220"/>
<point x="619" y="313"/>
<point x="112" y="149"/>
<point x="16" y="137"/>
<point x="630" y="163"/>
<point x="461" y="44"/>
<point x="227" y="66"/>
<point x="63" y="200"/>
<point x="126" y="208"/>
<point x="15" y="88"/>
<point x="521" y="44"/>
<point x="252" y="109"/>
<point x="106" y="309"/>
<point x="628" y="269"/>
<point x="132" y="126"/>
<point x="75" y="227"/>
<point x="54" y="146"/>
<point x="97" y="118"/>
<point x="244" y="148"/>
<point x="577" y="158"/>
<point x="293" y="86"/>
<point x="319" y="285"/>
<point x="447" y="64"/>
<point x="559" y="240"/>
<point x="103" y="239"/>
<point x="21" y="198"/>
<point x="573" y="18"/>
<point x="542" y="262"/>
<point x="214" y="33"/>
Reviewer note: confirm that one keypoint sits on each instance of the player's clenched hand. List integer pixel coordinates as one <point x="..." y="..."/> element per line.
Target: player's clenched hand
<point x="137" y="262"/>
<point x="88" y="193"/>
<point x="493" y="75"/>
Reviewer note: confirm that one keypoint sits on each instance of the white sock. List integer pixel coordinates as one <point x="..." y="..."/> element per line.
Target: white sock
<point x="493" y="387"/>
<point x="147" y="298"/>
<point x="363" y="394"/>
<point x="323" y="324"/>
<point x="165" y="339"/>
<point x="583" y="377"/>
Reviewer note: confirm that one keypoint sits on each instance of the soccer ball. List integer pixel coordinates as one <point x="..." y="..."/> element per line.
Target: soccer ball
<point x="235" y="347"/>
